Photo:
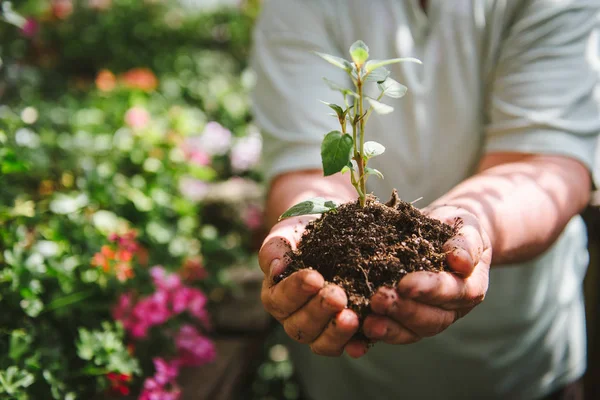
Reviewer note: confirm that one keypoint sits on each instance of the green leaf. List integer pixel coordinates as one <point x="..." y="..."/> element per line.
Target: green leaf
<point x="359" y="52"/>
<point x="373" y="171"/>
<point x="380" y="108"/>
<point x="347" y="168"/>
<point x="316" y="205"/>
<point x="335" y="152"/>
<point x="372" y="149"/>
<point x="392" y="89"/>
<point x="20" y="342"/>
<point x="339" y="88"/>
<point x="378" y="75"/>
<point x="338" y="110"/>
<point x="337" y="61"/>
<point x="374" y="64"/>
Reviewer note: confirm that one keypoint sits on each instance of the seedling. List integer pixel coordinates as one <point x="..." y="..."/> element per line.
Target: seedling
<point x="346" y="150"/>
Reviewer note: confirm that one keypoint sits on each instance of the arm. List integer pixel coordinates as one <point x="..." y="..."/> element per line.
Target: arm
<point x="523" y="201"/>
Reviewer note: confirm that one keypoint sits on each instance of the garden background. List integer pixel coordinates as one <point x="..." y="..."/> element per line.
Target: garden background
<point x="130" y="205"/>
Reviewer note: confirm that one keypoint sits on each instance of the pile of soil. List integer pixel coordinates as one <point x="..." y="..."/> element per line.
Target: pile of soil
<point x="364" y="248"/>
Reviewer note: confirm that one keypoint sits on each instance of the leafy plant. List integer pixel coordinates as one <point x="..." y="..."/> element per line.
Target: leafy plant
<point x="346" y="150"/>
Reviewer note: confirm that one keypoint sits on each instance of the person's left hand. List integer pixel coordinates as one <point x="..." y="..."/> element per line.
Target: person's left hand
<point x="426" y="303"/>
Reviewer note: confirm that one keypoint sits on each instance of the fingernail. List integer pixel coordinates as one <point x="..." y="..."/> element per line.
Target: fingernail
<point x="274" y="268"/>
<point x="310" y="284"/>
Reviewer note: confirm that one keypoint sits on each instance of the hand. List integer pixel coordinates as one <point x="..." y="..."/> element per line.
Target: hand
<point x="310" y="311"/>
<point x="426" y="303"/>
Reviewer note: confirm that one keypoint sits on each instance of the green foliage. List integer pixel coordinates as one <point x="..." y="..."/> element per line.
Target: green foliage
<point x="339" y="149"/>
<point x="335" y="152"/>
<point x="316" y="205"/>
<point x="102" y="112"/>
<point x="105" y="349"/>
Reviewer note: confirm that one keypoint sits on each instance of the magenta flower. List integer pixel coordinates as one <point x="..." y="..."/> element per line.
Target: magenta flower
<point x="193" y="348"/>
<point x="166" y="372"/>
<point x="245" y="153"/>
<point x="123" y="308"/>
<point x="30" y="28"/>
<point x="253" y="217"/>
<point x="164" y="281"/>
<point x="152" y="310"/>
<point x="137" y="117"/>
<point x="154" y="391"/>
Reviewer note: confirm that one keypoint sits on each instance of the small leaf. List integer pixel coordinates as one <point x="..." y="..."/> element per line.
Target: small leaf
<point x="334" y="86"/>
<point x="338" y="110"/>
<point x="378" y="75"/>
<point x="374" y="64"/>
<point x="347" y="168"/>
<point x="316" y="205"/>
<point x="392" y="89"/>
<point x="335" y="152"/>
<point x="359" y="52"/>
<point x="337" y="61"/>
<point x="373" y="171"/>
<point x="380" y="108"/>
<point x="372" y="149"/>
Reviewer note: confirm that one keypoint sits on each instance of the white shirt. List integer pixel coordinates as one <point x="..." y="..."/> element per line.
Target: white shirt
<point x="497" y="75"/>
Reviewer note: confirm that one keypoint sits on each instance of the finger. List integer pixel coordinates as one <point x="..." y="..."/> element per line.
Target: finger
<point x="356" y="348"/>
<point x="465" y="249"/>
<point x="337" y="334"/>
<point x="446" y="290"/>
<point x="283" y="237"/>
<point x="306" y="324"/>
<point x="378" y="327"/>
<point x="290" y="294"/>
<point x="413" y="319"/>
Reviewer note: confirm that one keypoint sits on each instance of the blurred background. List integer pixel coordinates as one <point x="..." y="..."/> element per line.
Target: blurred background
<point x="131" y="205"/>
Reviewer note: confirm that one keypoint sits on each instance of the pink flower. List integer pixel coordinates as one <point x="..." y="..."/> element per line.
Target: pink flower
<point x="198" y="157"/>
<point x="152" y="310"/>
<point x="193" y="348"/>
<point x="166" y="372"/>
<point x="192" y="300"/>
<point x="123" y="308"/>
<point x="62" y="8"/>
<point x="99" y="4"/>
<point x="214" y="140"/>
<point x="136" y="328"/>
<point x="30" y="28"/>
<point x="245" y="153"/>
<point x="137" y="117"/>
<point x="164" y="281"/>
<point x="253" y="217"/>
<point x="193" y="189"/>
<point x="154" y="391"/>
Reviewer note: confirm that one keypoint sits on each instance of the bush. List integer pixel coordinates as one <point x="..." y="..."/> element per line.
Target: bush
<point x="128" y="187"/>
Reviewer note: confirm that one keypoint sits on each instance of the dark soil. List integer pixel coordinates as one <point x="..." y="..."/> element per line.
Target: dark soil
<point x="362" y="249"/>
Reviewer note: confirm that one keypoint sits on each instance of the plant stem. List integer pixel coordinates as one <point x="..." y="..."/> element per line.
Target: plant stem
<point x="360" y="159"/>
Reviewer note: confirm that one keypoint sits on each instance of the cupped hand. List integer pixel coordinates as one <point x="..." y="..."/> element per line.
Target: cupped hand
<point x="310" y="311"/>
<point x="426" y="303"/>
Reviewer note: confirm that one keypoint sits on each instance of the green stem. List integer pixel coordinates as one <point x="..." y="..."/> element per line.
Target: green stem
<point x="360" y="159"/>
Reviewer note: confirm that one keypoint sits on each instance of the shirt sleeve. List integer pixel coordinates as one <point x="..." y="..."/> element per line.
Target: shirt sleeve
<point x="545" y="97"/>
<point x="289" y="84"/>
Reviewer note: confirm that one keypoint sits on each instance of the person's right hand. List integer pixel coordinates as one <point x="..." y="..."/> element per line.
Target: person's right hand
<point x="310" y="311"/>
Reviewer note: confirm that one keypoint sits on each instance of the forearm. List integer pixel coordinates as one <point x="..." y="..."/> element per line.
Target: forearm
<point x="523" y="202"/>
<point x="292" y="188"/>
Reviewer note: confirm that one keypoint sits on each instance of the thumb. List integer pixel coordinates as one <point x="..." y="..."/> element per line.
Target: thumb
<point x="283" y="238"/>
